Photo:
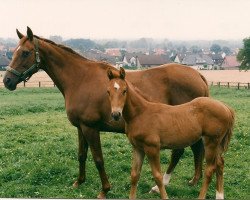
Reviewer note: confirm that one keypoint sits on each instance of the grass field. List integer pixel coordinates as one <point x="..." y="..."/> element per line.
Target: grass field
<point x="38" y="152"/>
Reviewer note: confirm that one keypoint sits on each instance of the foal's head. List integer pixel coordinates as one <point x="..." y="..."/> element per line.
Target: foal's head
<point x="24" y="62"/>
<point x="117" y="91"/>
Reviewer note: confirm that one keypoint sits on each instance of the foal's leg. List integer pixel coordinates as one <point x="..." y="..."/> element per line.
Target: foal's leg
<point x="198" y="151"/>
<point x="137" y="161"/>
<point x="219" y="178"/>
<point x="82" y="156"/>
<point x="211" y="153"/>
<point x="175" y="157"/>
<point x="153" y="154"/>
<point x="93" y="138"/>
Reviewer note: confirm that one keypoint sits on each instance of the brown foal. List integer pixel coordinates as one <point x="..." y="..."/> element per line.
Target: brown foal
<point x="154" y="126"/>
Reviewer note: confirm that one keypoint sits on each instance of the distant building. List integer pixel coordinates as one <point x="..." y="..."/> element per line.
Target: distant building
<point x="142" y="60"/>
<point x="230" y="63"/>
<point x="198" y="61"/>
<point x="4" y="62"/>
<point x="113" y="52"/>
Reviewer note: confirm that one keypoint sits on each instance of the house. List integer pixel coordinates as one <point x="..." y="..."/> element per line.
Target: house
<point x="4" y="62"/>
<point x="143" y="60"/>
<point x="97" y="55"/>
<point x="217" y="59"/>
<point x="113" y="52"/>
<point x="178" y="58"/>
<point x="198" y="61"/>
<point x="230" y="63"/>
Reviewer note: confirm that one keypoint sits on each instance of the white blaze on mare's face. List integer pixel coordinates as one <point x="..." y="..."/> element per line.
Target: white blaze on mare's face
<point x="116" y="86"/>
<point x="18" y="48"/>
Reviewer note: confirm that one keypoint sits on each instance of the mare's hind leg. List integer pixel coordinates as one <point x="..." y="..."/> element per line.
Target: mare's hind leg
<point x="175" y="157"/>
<point x="211" y="153"/>
<point x="198" y="151"/>
<point x="137" y="161"/>
<point x="153" y="154"/>
<point x="82" y="156"/>
<point x="93" y="138"/>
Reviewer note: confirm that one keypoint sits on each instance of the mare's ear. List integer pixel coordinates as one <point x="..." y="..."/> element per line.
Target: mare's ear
<point x="29" y="33"/>
<point x="20" y="35"/>
<point x="110" y="73"/>
<point x="122" y="73"/>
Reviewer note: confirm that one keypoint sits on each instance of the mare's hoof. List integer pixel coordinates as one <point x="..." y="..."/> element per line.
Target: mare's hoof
<point x="101" y="195"/>
<point x="154" y="189"/>
<point x="77" y="184"/>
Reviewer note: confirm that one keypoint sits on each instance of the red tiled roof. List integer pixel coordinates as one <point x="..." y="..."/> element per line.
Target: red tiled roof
<point x="230" y="61"/>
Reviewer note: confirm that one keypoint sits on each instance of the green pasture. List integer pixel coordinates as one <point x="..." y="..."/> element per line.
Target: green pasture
<point x="38" y="152"/>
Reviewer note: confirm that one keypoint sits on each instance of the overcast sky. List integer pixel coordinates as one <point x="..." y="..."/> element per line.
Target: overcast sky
<point x="128" y="19"/>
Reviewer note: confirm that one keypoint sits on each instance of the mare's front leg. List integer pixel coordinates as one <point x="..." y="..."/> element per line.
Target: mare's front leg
<point x="137" y="161"/>
<point x="93" y="138"/>
<point x="82" y="156"/>
<point x="198" y="151"/>
<point x="153" y="154"/>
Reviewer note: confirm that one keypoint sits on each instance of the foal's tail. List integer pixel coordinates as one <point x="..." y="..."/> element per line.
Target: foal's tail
<point x="227" y="137"/>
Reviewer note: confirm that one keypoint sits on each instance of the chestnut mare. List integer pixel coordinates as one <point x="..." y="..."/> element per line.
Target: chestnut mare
<point x="154" y="126"/>
<point x="83" y="84"/>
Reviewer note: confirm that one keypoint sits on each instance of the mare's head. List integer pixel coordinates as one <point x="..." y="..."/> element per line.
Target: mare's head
<point x="25" y="60"/>
<point x="117" y="91"/>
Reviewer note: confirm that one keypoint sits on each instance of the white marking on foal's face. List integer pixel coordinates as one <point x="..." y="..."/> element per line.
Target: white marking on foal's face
<point x="116" y="86"/>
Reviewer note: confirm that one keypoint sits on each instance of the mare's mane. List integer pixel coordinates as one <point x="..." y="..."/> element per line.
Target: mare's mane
<point x="60" y="46"/>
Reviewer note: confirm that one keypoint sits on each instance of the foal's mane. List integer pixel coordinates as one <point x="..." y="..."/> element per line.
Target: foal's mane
<point x="60" y="46"/>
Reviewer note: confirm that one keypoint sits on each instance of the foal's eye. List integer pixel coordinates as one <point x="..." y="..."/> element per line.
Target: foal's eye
<point x="124" y="92"/>
<point x="108" y="92"/>
<point x="25" y="54"/>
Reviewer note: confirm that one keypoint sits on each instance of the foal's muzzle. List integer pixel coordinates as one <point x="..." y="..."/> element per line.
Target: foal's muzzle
<point x="116" y="115"/>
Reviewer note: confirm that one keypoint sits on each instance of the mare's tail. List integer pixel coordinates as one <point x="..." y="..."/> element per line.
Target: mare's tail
<point x="205" y="81"/>
<point x="227" y="137"/>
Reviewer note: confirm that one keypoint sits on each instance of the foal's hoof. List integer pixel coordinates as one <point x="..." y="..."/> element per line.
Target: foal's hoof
<point x="193" y="182"/>
<point x="154" y="189"/>
<point x="101" y="195"/>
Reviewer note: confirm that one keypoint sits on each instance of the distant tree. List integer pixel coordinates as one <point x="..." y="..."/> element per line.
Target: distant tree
<point x="81" y="44"/>
<point x="226" y="50"/>
<point x="244" y="55"/>
<point x="215" y="48"/>
<point x="195" y="49"/>
<point x="56" y="38"/>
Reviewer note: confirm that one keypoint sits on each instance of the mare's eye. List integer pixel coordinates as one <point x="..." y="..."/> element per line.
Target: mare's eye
<point x="25" y="54"/>
<point x="108" y="92"/>
<point x="124" y="92"/>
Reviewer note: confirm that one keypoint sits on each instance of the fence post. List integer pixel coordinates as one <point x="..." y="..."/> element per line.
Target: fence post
<point x="238" y="86"/>
<point x="227" y="84"/>
<point x="24" y="84"/>
<point x="248" y="85"/>
<point x="219" y="84"/>
<point x="39" y="84"/>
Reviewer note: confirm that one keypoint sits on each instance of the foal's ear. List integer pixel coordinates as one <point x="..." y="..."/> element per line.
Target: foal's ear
<point x="29" y="33"/>
<point x="110" y="73"/>
<point x="122" y="73"/>
<point x="20" y="35"/>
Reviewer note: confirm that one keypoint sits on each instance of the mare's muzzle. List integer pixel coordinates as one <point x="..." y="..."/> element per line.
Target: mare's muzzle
<point x="116" y="115"/>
